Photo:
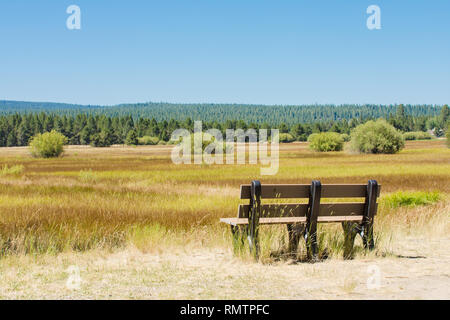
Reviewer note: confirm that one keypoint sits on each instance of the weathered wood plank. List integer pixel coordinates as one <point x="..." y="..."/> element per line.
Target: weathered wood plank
<point x="341" y="209"/>
<point x="283" y="220"/>
<point x="291" y="220"/>
<point x="300" y="210"/>
<point x="286" y="191"/>
<point x="275" y="210"/>
<point x="339" y="219"/>
<point x="273" y="191"/>
<point x="344" y="190"/>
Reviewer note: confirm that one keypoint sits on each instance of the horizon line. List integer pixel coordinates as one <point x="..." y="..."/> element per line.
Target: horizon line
<point x="227" y="103"/>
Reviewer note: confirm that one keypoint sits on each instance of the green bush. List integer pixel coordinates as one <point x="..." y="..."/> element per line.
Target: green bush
<point x="326" y="141"/>
<point x="376" y="137"/>
<point x="411" y="199"/>
<point x="148" y="141"/>
<point x="207" y="139"/>
<point x="417" y="135"/>
<point x="286" y="137"/>
<point x="345" y="137"/>
<point x="48" y="144"/>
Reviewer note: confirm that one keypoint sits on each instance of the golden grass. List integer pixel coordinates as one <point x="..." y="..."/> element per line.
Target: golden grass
<point x="107" y="198"/>
<point x="13" y="170"/>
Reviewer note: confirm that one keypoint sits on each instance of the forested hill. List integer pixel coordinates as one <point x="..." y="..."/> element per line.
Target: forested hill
<point x="9" y="107"/>
<point x="271" y="114"/>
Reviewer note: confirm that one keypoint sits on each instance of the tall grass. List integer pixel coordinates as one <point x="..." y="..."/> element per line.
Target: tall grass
<point x="13" y="170"/>
<point x="116" y="197"/>
<point x="411" y="199"/>
<point x="88" y="176"/>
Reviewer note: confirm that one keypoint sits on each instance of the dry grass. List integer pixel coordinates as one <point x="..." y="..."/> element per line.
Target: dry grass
<point x="421" y="272"/>
<point x="108" y="198"/>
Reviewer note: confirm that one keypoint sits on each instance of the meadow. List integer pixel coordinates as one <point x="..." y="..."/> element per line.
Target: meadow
<point x="121" y="198"/>
<point x="111" y="197"/>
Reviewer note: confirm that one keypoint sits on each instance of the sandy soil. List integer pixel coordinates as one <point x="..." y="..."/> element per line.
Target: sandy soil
<point x="422" y="271"/>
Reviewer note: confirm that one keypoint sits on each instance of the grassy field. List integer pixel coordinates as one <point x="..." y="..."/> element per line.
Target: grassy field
<point x="100" y="203"/>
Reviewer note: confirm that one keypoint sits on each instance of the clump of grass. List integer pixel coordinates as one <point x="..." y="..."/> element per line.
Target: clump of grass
<point x="87" y="176"/>
<point x="411" y="199"/>
<point x="13" y="170"/>
<point x="147" y="238"/>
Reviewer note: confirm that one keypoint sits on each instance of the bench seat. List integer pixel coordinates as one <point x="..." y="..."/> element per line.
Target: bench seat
<point x="293" y="220"/>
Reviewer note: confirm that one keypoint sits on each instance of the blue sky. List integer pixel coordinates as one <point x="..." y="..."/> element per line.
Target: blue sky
<point x="269" y="52"/>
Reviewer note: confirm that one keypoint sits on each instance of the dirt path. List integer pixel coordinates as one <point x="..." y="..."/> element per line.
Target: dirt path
<point x="421" y="272"/>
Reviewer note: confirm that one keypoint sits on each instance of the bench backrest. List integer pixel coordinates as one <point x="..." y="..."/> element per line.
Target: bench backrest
<point x="315" y="193"/>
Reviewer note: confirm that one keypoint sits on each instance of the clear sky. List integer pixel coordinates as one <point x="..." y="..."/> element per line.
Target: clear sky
<point x="225" y="51"/>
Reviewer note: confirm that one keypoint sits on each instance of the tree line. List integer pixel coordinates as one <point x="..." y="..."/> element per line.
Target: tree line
<point x="104" y="130"/>
<point x="258" y="114"/>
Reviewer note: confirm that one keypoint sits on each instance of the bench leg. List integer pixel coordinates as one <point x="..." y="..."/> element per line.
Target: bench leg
<point x="253" y="241"/>
<point x="253" y="218"/>
<point x="367" y="237"/>
<point x="238" y="233"/>
<point x="295" y="232"/>
<point x="369" y="214"/>
<point x="312" y="250"/>
<point x="350" y="232"/>
<point x="311" y="220"/>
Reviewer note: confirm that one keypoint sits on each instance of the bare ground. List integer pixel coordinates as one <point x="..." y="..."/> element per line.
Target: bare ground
<point x="422" y="271"/>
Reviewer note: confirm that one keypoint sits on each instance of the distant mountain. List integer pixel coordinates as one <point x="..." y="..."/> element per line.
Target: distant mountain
<point x="9" y="106"/>
<point x="272" y="114"/>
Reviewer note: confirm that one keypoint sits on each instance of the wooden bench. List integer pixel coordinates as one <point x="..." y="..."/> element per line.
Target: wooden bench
<point x="302" y="218"/>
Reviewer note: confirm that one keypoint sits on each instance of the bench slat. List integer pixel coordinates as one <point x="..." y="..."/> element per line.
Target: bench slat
<point x="345" y="191"/>
<point x="341" y="209"/>
<point x="299" y="210"/>
<point x="276" y="210"/>
<point x="286" y="191"/>
<point x="291" y="220"/>
<point x="272" y="191"/>
<point x="283" y="220"/>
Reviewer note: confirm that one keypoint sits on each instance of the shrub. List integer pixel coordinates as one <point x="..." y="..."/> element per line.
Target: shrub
<point x="48" y="144"/>
<point x="286" y="137"/>
<point x="345" y="137"/>
<point x="411" y="199"/>
<point x="13" y="170"/>
<point x="417" y="135"/>
<point x="312" y="137"/>
<point x="326" y="141"/>
<point x="207" y="139"/>
<point x="148" y="141"/>
<point x="376" y="137"/>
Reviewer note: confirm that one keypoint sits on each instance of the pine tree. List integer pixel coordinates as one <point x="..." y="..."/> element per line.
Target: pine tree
<point x="23" y="133"/>
<point x="132" y="138"/>
<point x="444" y="116"/>
<point x="11" y="140"/>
